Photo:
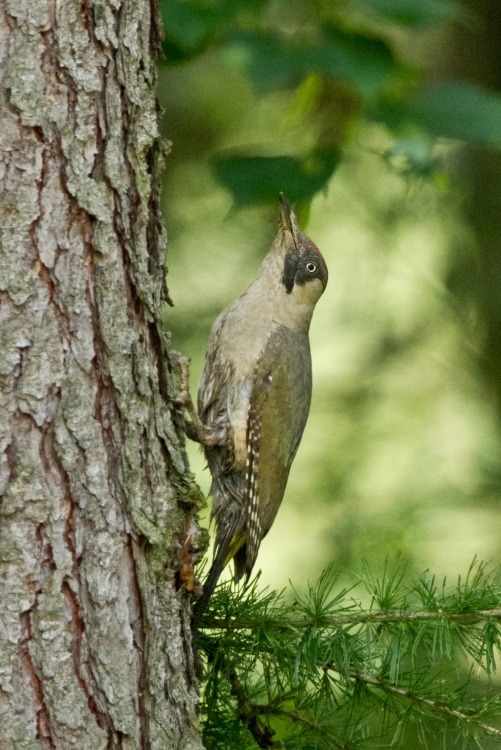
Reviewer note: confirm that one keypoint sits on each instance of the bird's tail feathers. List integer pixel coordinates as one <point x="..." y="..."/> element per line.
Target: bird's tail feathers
<point x="225" y="551"/>
<point x="210" y="584"/>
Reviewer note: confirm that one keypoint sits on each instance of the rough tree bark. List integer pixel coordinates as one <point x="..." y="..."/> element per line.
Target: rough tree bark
<point x="96" y="498"/>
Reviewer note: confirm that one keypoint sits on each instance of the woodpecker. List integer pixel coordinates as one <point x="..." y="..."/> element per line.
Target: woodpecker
<point x="254" y="397"/>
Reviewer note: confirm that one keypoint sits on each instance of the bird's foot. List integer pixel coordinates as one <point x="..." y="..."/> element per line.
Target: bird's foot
<point x="196" y="429"/>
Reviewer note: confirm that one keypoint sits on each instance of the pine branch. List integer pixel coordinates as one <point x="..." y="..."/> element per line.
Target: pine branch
<point x="471" y="617"/>
<point x="304" y="665"/>
<point x="297" y="718"/>
<point x="248" y="713"/>
<point x="435" y="705"/>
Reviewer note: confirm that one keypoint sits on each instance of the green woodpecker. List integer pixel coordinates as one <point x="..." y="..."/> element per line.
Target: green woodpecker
<point x="254" y="396"/>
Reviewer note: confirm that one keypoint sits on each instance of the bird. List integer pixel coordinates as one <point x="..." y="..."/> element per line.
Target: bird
<point x="254" y="397"/>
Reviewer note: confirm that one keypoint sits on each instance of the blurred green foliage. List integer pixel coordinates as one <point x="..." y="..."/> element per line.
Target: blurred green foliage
<point x="381" y="119"/>
<point x="415" y="13"/>
<point x="452" y="109"/>
<point x="356" y="110"/>
<point x="347" y="48"/>
<point x="258" y="179"/>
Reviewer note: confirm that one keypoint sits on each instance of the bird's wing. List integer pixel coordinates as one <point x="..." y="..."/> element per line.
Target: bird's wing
<point x="278" y="409"/>
<point x="215" y="377"/>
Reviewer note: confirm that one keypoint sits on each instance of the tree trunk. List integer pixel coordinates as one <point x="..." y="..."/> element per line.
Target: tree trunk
<point x="477" y="54"/>
<point x="96" y="498"/>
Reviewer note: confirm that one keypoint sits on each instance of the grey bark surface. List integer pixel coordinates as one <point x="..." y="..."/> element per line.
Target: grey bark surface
<point x="96" y="499"/>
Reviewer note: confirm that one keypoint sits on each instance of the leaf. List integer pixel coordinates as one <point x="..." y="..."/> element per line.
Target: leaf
<point x="274" y="61"/>
<point x="411" y="153"/>
<point x="192" y="26"/>
<point x="188" y="29"/>
<point x="452" y="109"/>
<point x="415" y="12"/>
<point x="259" y="179"/>
<point x="271" y="62"/>
<point x="367" y="63"/>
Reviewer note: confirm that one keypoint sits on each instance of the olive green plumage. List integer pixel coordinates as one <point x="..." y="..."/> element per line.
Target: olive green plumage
<point x="255" y="394"/>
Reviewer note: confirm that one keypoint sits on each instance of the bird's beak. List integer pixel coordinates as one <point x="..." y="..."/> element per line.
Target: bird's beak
<point x="288" y="219"/>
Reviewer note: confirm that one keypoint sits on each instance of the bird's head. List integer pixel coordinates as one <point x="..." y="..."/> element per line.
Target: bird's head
<point x="305" y="272"/>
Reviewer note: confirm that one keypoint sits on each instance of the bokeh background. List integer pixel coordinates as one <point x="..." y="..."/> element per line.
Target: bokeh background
<point x="381" y="120"/>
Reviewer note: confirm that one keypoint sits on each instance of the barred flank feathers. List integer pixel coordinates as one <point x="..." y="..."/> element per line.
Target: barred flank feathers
<point x="218" y="564"/>
<point x="254" y="530"/>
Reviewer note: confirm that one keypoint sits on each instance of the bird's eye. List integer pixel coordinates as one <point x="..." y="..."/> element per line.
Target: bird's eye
<point x="311" y="267"/>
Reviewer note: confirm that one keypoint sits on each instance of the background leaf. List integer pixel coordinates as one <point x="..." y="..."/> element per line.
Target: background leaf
<point x="450" y="109"/>
<point x="414" y="12"/>
<point x="259" y="179"/>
